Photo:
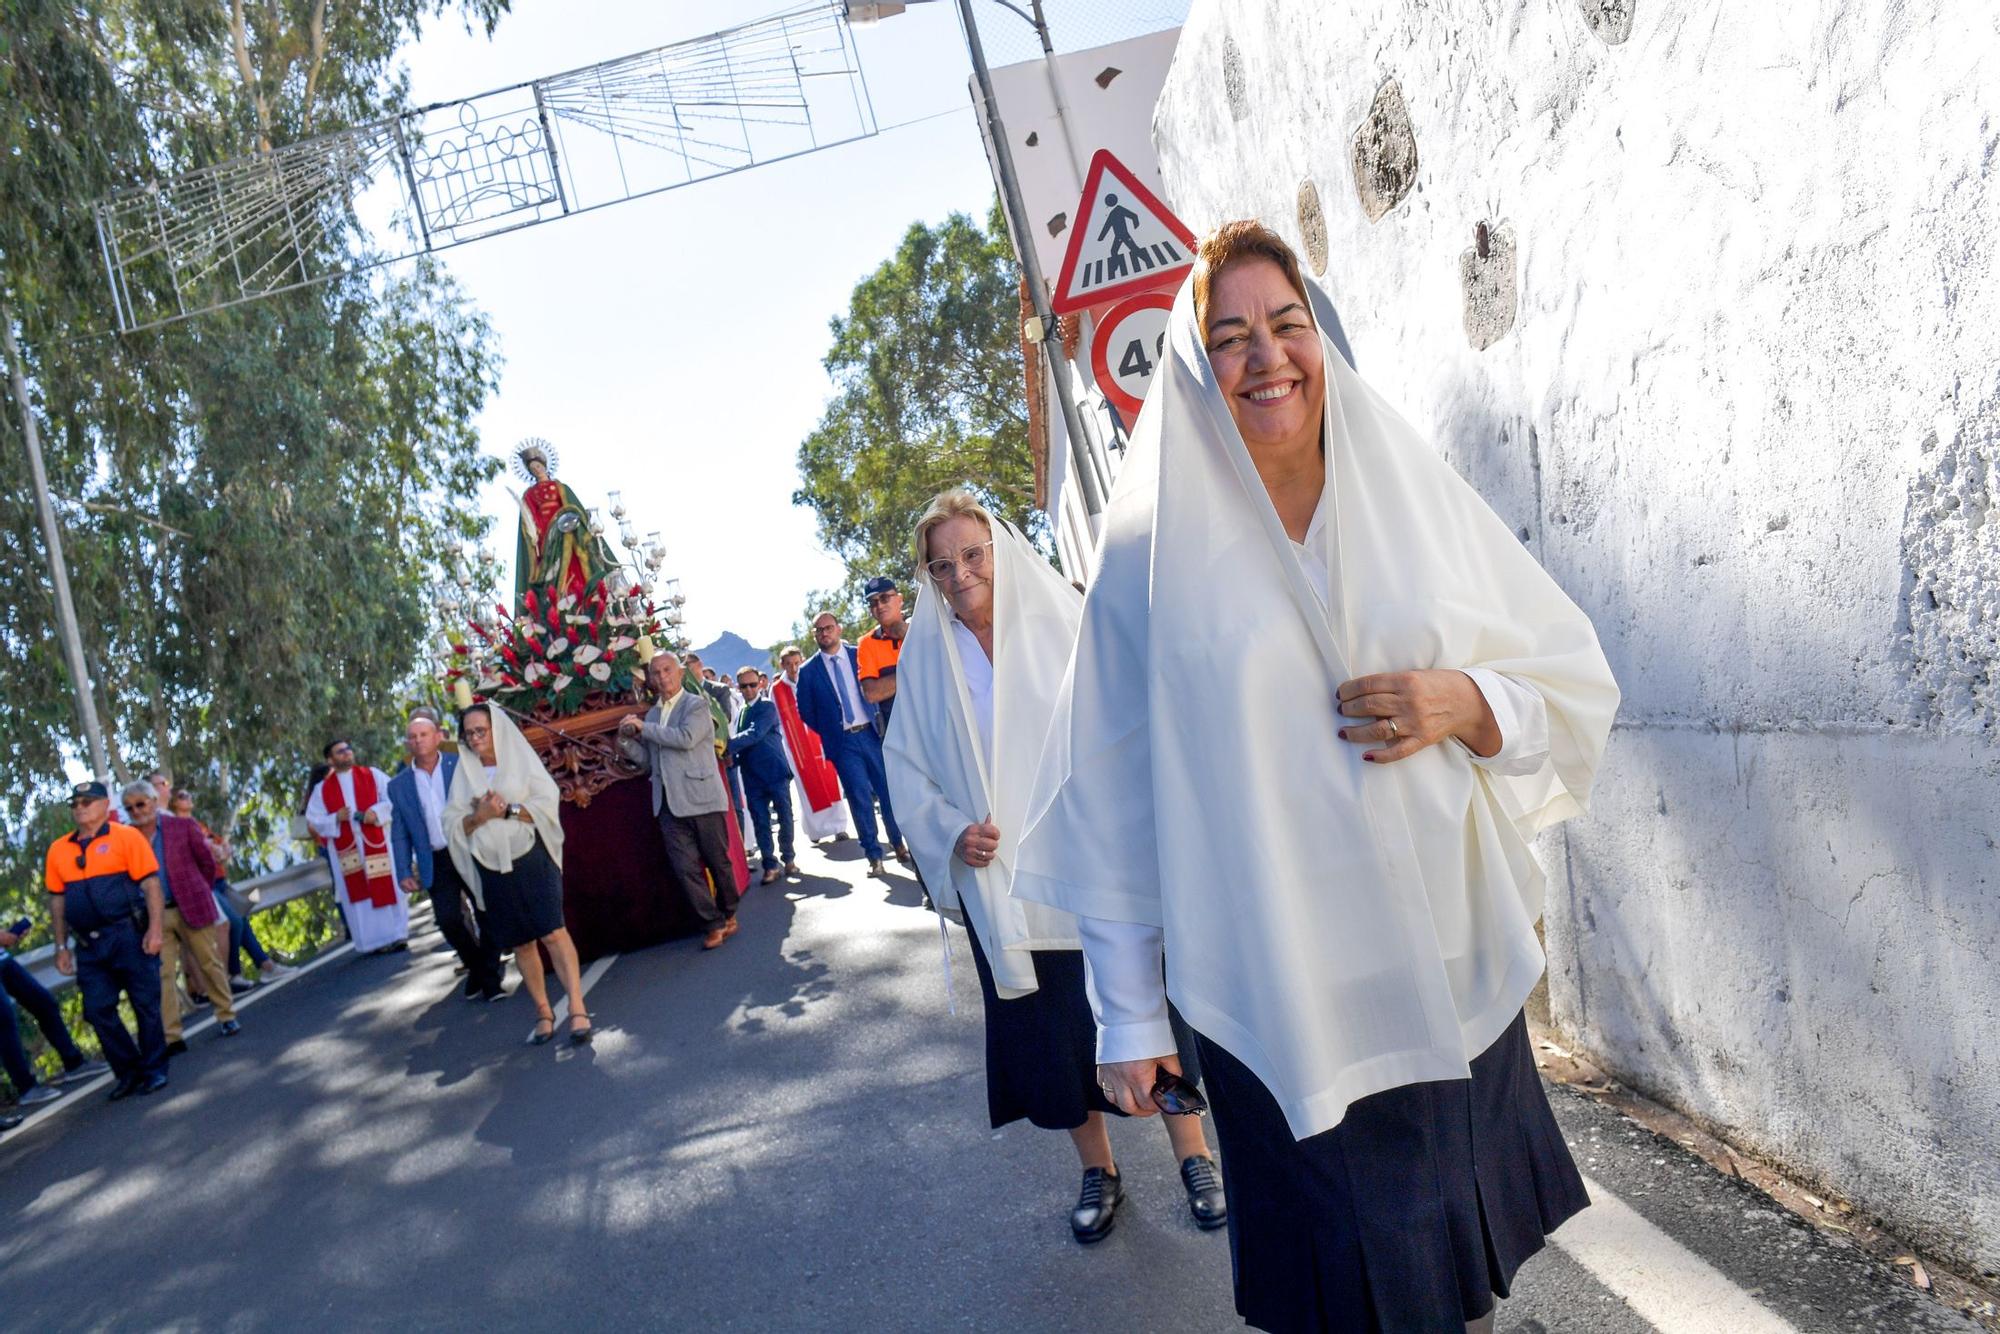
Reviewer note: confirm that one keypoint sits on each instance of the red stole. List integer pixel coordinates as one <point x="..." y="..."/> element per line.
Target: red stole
<point x="816" y="772"/>
<point x="364" y="861"/>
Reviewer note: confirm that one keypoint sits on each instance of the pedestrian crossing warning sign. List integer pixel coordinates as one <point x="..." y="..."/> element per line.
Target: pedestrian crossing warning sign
<point x="1124" y="241"/>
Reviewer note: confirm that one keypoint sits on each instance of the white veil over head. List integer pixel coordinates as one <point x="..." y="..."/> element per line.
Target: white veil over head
<point x="1340" y="927"/>
<point x="941" y="777"/>
<point x="519" y="776"/>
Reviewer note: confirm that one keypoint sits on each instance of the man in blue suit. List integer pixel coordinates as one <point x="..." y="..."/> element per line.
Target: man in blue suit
<point x="831" y="704"/>
<point x="757" y="750"/>
<point x="417" y="796"/>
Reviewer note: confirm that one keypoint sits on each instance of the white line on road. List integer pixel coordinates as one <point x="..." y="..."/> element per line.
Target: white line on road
<point x="590" y="976"/>
<point x="1664" y="1282"/>
<point x="74" y="1095"/>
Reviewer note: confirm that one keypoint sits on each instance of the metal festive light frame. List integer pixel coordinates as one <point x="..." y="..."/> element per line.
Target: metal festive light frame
<point x="442" y="175"/>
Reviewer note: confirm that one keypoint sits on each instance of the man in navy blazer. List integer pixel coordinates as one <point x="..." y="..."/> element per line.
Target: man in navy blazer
<point x="757" y="750"/>
<point x="831" y="704"/>
<point x="417" y="797"/>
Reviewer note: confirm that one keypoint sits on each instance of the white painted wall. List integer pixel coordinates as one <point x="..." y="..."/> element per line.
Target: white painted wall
<point x="1748" y="415"/>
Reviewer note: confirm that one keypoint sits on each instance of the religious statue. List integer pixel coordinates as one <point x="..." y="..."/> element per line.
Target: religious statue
<point x="556" y="545"/>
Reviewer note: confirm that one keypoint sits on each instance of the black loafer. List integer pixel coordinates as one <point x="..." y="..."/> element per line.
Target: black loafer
<point x="1096" y="1205"/>
<point x="124" y="1088"/>
<point x="177" y="1047"/>
<point x="1204" y="1191"/>
<point x="152" y="1083"/>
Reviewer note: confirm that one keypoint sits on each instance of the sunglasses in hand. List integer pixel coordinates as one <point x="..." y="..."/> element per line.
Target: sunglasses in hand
<point x="1177" y="1097"/>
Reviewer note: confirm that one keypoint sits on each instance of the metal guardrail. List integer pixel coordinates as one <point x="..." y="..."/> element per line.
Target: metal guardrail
<point x="253" y="896"/>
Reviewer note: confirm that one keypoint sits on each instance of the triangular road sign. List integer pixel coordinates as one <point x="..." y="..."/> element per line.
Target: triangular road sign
<point x="1124" y="241"/>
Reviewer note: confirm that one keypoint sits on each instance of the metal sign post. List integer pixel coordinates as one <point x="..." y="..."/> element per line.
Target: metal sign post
<point x="72" y="637"/>
<point x="1053" y="359"/>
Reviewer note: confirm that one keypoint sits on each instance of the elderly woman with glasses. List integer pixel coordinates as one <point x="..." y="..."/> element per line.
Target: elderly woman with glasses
<point x="975" y="689"/>
<point x="503" y="825"/>
<point x="1340" y="877"/>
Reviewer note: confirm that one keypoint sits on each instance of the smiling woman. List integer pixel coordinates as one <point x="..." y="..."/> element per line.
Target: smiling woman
<point x="1343" y="889"/>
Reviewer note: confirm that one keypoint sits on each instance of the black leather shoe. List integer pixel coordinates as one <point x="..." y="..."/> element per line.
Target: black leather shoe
<point x="124" y="1088"/>
<point x="178" y="1047"/>
<point x="152" y="1084"/>
<point x="1204" y="1192"/>
<point x="229" y="1028"/>
<point x="1096" y="1205"/>
<point x="474" y="988"/>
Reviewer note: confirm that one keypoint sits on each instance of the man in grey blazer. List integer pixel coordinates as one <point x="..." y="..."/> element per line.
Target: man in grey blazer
<point x="677" y="743"/>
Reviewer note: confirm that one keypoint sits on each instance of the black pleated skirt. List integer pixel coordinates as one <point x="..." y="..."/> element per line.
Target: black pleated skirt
<point x="1408" y="1216"/>
<point x="525" y="903"/>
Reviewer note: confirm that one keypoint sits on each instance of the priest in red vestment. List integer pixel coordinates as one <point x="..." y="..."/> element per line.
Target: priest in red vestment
<point x="822" y="812"/>
<point x="349" y="812"/>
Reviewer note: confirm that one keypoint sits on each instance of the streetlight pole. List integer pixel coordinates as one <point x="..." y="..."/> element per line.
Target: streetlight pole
<point x="1054" y="360"/>
<point x="72" y="638"/>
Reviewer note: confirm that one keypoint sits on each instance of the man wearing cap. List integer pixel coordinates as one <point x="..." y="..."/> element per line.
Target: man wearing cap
<point x="880" y="647"/>
<point x="104" y="888"/>
<point x="832" y="705"/>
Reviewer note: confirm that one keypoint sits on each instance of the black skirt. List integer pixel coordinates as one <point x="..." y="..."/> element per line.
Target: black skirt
<point x="525" y="903"/>
<point x="1041" y="1049"/>
<point x="1410" y="1215"/>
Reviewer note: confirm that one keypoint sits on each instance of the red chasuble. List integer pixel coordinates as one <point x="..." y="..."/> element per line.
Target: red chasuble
<point x="816" y="773"/>
<point x="364" y="860"/>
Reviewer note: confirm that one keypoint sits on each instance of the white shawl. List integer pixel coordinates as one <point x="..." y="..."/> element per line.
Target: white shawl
<point x="1340" y="927"/>
<point x="940" y="778"/>
<point x="518" y="776"/>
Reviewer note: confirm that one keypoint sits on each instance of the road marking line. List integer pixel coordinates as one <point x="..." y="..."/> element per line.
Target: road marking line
<point x="73" y="1094"/>
<point x="590" y="976"/>
<point x="1664" y="1282"/>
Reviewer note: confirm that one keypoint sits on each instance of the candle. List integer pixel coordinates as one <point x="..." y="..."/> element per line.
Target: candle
<point x="461" y="692"/>
<point x="644" y="648"/>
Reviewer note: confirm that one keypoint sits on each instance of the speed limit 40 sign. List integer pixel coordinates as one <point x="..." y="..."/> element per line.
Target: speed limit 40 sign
<point x="1126" y="352"/>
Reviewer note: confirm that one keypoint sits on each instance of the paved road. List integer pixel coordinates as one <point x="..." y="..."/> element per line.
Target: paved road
<point x="787" y="1134"/>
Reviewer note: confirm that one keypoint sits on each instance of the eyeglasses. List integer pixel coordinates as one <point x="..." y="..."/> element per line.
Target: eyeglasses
<point x="137" y="806"/>
<point x="1176" y="1097"/>
<point x="881" y="597"/>
<point x="973" y="558"/>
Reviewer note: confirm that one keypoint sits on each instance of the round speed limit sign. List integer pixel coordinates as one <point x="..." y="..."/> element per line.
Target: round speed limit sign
<point x="1127" y="349"/>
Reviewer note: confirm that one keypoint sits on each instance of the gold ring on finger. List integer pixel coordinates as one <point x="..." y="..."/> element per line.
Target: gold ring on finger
<point x="1394" y="731"/>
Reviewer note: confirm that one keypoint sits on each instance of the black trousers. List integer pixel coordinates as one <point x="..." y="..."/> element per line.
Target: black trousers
<point x="105" y="967"/>
<point x="698" y="844"/>
<point x="461" y="922"/>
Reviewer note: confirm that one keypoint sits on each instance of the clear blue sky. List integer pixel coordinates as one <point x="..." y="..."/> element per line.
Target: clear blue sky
<point x="658" y="343"/>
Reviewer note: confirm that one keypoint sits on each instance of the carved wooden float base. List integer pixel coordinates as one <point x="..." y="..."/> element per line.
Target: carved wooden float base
<point x="581" y="751"/>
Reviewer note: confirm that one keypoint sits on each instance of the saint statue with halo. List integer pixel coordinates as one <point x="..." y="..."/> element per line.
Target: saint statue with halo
<point x="555" y="545"/>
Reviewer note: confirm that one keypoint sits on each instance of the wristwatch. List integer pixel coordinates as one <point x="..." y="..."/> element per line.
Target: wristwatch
<point x="513" y="810"/>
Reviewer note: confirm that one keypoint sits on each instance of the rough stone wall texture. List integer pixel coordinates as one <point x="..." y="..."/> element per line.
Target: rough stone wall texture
<point x="1746" y="412"/>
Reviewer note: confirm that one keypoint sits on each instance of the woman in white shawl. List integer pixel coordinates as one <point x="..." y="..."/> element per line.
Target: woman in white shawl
<point x="975" y="686"/>
<point x="1340" y="877"/>
<point x="503" y="824"/>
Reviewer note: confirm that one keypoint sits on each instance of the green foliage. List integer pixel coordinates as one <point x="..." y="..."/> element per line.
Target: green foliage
<point x="255" y="503"/>
<point x="927" y="368"/>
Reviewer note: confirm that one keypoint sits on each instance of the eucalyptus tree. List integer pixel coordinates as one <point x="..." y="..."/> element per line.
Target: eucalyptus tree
<point x="256" y="501"/>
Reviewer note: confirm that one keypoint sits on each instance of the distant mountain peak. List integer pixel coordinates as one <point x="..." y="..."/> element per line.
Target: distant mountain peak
<point x="731" y="652"/>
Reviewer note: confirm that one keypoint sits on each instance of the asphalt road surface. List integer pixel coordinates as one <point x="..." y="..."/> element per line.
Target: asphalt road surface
<point x="788" y="1133"/>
